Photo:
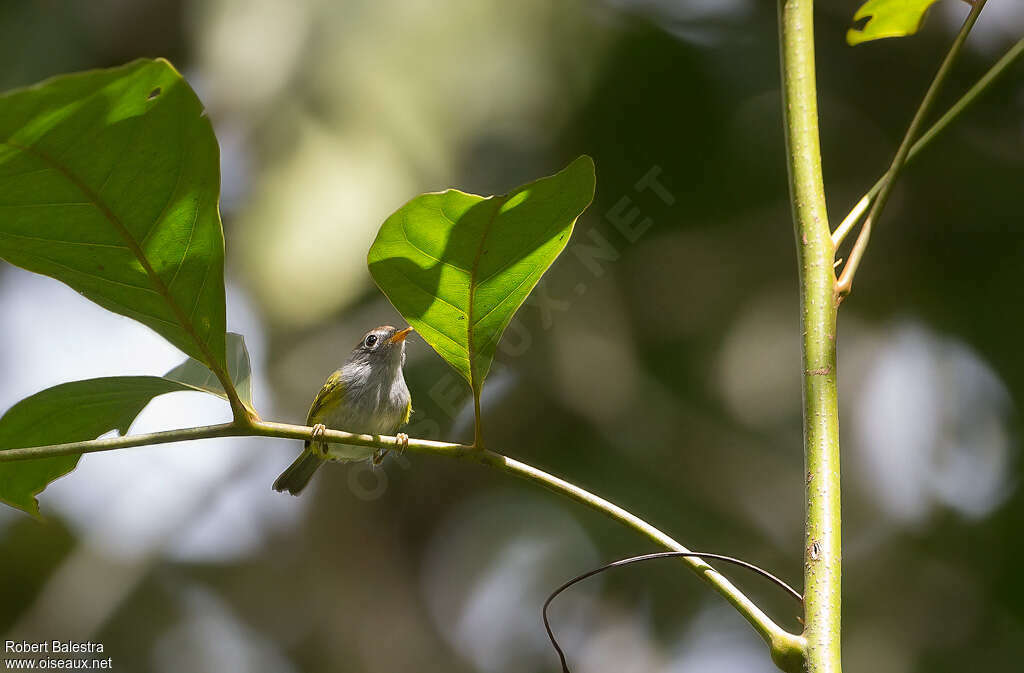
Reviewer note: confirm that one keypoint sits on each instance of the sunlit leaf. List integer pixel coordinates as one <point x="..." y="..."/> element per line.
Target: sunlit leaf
<point x="888" y="18"/>
<point x="109" y="182"/>
<point x="458" y="266"/>
<point x="197" y="375"/>
<point x="70" y="412"/>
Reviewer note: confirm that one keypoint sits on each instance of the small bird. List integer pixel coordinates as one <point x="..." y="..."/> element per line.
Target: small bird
<point x="367" y="395"/>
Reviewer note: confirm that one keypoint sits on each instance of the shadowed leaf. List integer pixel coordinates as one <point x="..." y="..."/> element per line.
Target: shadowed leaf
<point x="109" y="182"/>
<point x="70" y="412"/>
<point x="458" y="266"/>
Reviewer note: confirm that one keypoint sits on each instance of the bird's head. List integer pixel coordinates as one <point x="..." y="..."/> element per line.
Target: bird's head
<point x="382" y="347"/>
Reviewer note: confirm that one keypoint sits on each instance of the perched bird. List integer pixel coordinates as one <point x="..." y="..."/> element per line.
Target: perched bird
<point x="367" y="395"/>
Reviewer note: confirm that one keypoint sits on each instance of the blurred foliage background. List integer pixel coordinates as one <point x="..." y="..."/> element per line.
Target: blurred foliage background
<point x="658" y="369"/>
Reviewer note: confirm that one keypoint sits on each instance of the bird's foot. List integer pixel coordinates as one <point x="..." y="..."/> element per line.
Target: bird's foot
<point x="318" y="432"/>
<point x="401" y="443"/>
<point x="317" y="440"/>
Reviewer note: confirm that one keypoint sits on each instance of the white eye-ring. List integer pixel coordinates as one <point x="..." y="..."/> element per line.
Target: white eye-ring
<point x="371" y="341"/>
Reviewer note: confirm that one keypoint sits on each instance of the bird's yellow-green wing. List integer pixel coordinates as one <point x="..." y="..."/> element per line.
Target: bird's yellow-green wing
<point x="405" y="418"/>
<point x="328" y="398"/>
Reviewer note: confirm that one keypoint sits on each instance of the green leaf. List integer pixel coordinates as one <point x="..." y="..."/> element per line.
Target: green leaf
<point x="458" y="266"/>
<point x="109" y="182"/>
<point x="70" y="412"/>
<point x="889" y="18"/>
<point x="193" y="373"/>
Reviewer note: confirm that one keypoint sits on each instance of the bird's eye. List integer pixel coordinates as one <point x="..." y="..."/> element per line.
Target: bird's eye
<point x="371" y="341"/>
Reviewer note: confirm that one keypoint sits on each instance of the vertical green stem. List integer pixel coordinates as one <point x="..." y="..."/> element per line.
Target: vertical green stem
<point x="822" y="552"/>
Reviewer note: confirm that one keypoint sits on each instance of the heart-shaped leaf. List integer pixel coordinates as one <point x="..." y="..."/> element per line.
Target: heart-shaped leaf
<point x="457" y="266"/>
<point x="109" y="182"/>
<point x="70" y="412"/>
<point x="888" y="18"/>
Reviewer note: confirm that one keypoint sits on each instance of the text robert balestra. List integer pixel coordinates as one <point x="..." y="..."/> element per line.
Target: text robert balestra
<point x="51" y="647"/>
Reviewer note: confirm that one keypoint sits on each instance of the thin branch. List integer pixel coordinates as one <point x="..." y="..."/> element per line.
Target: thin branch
<point x="845" y="283"/>
<point x="650" y="557"/>
<point x="965" y="101"/>
<point x="853" y="217"/>
<point x="781" y="642"/>
<point x="784" y="646"/>
<point x="112" y="443"/>
<point x="233" y="429"/>
<point x="1012" y="54"/>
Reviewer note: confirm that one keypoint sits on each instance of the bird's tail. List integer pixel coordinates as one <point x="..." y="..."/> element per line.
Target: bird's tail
<point x="298" y="474"/>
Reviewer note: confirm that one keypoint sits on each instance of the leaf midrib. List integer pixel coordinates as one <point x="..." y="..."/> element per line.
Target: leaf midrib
<point x="133" y="245"/>
<point x="499" y="201"/>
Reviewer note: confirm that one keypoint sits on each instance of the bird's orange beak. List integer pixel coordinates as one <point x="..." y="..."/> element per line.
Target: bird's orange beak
<point x="400" y="335"/>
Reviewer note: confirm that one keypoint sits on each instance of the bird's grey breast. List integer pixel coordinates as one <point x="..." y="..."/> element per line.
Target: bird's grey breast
<point x="376" y="396"/>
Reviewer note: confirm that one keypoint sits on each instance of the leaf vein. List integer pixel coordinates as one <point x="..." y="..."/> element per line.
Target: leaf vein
<point x="185" y="323"/>
<point x="531" y="246"/>
<point x="408" y="239"/>
<point x="434" y="296"/>
<point x="503" y="300"/>
<point x="188" y="246"/>
<point x="46" y="205"/>
<point x="57" y="241"/>
<point x="82" y="272"/>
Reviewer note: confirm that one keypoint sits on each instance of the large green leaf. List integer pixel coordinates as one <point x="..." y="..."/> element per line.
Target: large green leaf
<point x="70" y="412"/>
<point x="889" y="18"/>
<point x="457" y="266"/>
<point x="109" y="182"/>
<point x="193" y="373"/>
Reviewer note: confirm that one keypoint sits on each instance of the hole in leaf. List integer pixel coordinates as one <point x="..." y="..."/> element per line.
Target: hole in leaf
<point x="153" y="94"/>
